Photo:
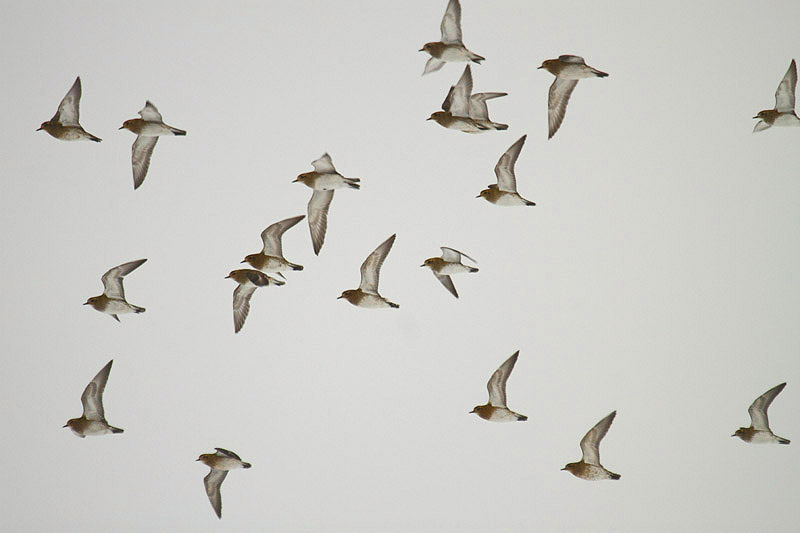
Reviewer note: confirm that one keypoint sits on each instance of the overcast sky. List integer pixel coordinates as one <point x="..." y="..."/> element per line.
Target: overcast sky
<point x="657" y="274"/>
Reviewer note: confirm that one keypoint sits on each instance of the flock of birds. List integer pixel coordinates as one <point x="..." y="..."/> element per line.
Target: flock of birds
<point x="462" y="111"/>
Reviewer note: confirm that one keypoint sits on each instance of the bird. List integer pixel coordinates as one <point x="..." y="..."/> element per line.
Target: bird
<point x="451" y="48"/>
<point x="147" y="129"/>
<point x="449" y="263"/>
<point x="505" y="191"/>
<point x="64" y="124"/>
<point x="93" y="422"/>
<point x="248" y="280"/>
<point x="464" y="111"/>
<point x="497" y="409"/>
<point x="220" y="463"/>
<point x="366" y="295"/>
<point x="589" y="466"/>
<point x="783" y="114"/>
<point x="112" y="301"/>
<point x="759" y="431"/>
<point x="323" y="180"/>
<point x="568" y="70"/>
<point x="271" y="259"/>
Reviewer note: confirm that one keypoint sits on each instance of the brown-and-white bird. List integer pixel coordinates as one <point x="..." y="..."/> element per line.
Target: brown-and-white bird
<point x="505" y="191"/>
<point x="759" y="431"/>
<point x="366" y="295"/>
<point x="323" y="180"/>
<point x="65" y="123"/>
<point x="248" y="280"/>
<point x="221" y="462"/>
<point x="271" y="259"/>
<point x="451" y="48"/>
<point x="497" y="409"/>
<point x="464" y="111"/>
<point x="783" y="114"/>
<point x="93" y="421"/>
<point x="568" y="70"/>
<point x="148" y="129"/>
<point x="112" y="301"/>
<point x="589" y="466"/>
<point x="449" y="263"/>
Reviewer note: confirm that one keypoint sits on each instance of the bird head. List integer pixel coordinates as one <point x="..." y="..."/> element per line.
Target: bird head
<point x="43" y="126"/>
<point x="91" y="301"/>
<point x="570" y="467"/>
<point x="437" y="116"/>
<point x="128" y="124"/>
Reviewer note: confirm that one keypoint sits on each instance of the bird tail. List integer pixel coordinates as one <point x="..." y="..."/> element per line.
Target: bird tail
<point x="528" y="202"/>
<point x="176" y="131"/>
<point x="393" y="305"/>
<point x="296" y="267"/>
<point x="475" y="58"/>
<point x="781" y="440"/>
<point x="599" y="73"/>
<point x="521" y="418"/>
<point x="614" y="476"/>
<point x="473" y="269"/>
<point x="500" y="127"/>
<point x="352" y="183"/>
<point x="115" y="430"/>
<point x="246" y="465"/>
<point x="93" y="138"/>
<point x="137" y="309"/>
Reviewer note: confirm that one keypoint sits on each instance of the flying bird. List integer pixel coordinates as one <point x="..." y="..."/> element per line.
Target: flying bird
<point x="464" y="111"/>
<point x="366" y="295"/>
<point x="93" y="422"/>
<point x="112" y="301"/>
<point x="148" y="129"/>
<point x="589" y="466"/>
<point x="451" y="48"/>
<point x="567" y="70"/>
<point x="497" y="409"/>
<point x="271" y="259"/>
<point x="64" y="124"/>
<point x="759" y="431"/>
<point x="220" y="463"/>
<point x="323" y="180"/>
<point x="448" y="263"/>
<point x="783" y="114"/>
<point x="248" y="280"/>
<point x="505" y="191"/>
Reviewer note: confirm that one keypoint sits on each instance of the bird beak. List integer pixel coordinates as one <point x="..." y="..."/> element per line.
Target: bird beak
<point x="295" y="180"/>
<point x="422" y="266"/>
<point x="65" y="426"/>
<point x="472" y="411"/>
<point x="429" y="118"/>
<point x="478" y="196"/>
<point x="244" y="261"/>
<point x="197" y="459"/>
<point x="565" y="466"/>
<point x="733" y="435"/>
<point x="85" y="303"/>
<point x="537" y="68"/>
<point x="226" y="277"/>
<point x="39" y="128"/>
<point x="421" y="50"/>
<point x="340" y="297"/>
<point x="753" y="117"/>
<point x="122" y="127"/>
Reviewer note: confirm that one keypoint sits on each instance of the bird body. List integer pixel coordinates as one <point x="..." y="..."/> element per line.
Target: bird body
<point x="464" y="111"/>
<point x="504" y="192"/>
<point x="568" y="70"/>
<point x="249" y="281"/>
<point x="148" y="129"/>
<point x="93" y="421"/>
<point x="65" y="124"/>
<point x="221" y="462"/>
<point x="270" y="258"/>
<point x="451" y="48"/>
<point x="366" y="295"/>
<point x="783" y="114"/>
<point x="112" y="301"/>
<point x="449" y="263"/>
<point x="496" y="410"/>
<point x="759" y="431"/>
<point x="589" y="467"/>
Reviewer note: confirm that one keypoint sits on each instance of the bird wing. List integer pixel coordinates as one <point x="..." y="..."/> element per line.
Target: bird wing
<point x="560" y="91"/>
<point x="457" y="101"/>
<point x="758" y="410"/>
<point x="761" y="126"/>
<point x="371" y="267"/>
<point x="432" y="65"/>
<point x="150" y="113"/>
<point x="241" y="304"/>
<point x="497" y="383"/>
<point x="451" y="255"/>
<point x="213" y="482"/>
<point x="69" y="108"/>
<point x="273" y="234"/>
<point x="324" y="165"/>
<point x="784" y="96"/>
<point x="141" y="152"/>
<point x="477" y="104"/>
<point x="504" y="169"/>
<point x="92" y="397"/>
<point x="447" y="281"/>
<point x="222" y="452"/>
<point x="590" y="443"/>
<point x="577" y="60"/>
<point x="112" y="280"/>
<point x="318" y="217"/>
<point x="451" y="23"/>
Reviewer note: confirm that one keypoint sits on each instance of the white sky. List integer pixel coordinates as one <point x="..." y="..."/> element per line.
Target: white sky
<point x="657" y="274"/>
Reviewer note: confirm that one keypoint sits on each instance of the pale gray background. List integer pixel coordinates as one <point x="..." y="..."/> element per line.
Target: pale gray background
<point x="657" y="275"/>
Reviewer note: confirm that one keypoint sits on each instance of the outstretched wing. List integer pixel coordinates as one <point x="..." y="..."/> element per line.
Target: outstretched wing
<point x="150" y="113"/>
<point x="69" y="109"/>
<point x="213" y="482"/>
<point x="451" y="23"/>
<point x="447" y="281"/>
<point x="758" y="410"/>
<point x="560" y="91"/>
<point x="504" y="170"/>
<point x="92" y="397"/>
<point x="477" y="104"/>
<point x="784" y="96"/>
<point x="112" y="280"/>
<point x="371" y="268"/>
<point x="324" y="165"/>
<point x="273" y="234"/>
<point x="451" y="255"/>
<point x="457" y="101"/>
<point x="141" y="152"/>
<point x="318" y="217"/>
<point x="590" y="443"/>
<point x="497" y="383"/>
